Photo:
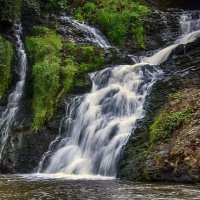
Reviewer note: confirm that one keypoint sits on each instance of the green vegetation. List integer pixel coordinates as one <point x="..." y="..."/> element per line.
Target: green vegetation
<point x="56" y="66"/>
<point x="86" y="58"/>
<point x="167" y="122"/>
<point x="119" y="19"/>
<point x="10" y="10"/>
<point x="44" y="49"/>
<point x="6" y="55"/>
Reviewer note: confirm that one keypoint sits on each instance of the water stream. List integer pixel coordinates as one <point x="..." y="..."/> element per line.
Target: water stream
<point x="8" y="116"/>
<point x="91" y="34"/>
<point x="99" y="124"/>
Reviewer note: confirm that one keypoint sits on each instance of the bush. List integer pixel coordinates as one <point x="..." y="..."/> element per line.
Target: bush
<point x="6" y="55"/>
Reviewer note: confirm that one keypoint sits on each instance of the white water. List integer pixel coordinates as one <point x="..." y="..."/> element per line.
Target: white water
<point x="92" y="34"/>
<point x="191" y="31"/>
<point x="99" y="124"/>
<point x="8" y="116"/>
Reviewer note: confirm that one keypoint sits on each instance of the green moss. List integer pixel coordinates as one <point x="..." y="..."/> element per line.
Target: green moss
<point x="56" y="66"/>
<point x="167" y="122"/>
<point x="86" y="58"/>
<point x="46" y="88"/>
<point x="68" y="72"/>
<point x="44" y="42"/>
<point x="44" y="51"/>
<point x="6" y="55"/>
<point x="10" y="10"/>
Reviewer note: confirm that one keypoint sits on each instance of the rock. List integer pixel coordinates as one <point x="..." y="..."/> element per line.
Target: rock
<point x="163" y="4"/>
<point x="177" y="158"/>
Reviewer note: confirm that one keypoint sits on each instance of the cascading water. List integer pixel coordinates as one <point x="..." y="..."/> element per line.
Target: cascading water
<point x="91" y="34"/>
<point x="190" y="32"/>
<point x="98" y="124"/>
<point x="8" y="116"/>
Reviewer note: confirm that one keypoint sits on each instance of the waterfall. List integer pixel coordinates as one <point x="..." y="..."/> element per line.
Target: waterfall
<point x="190" y="32"/>
<point x="91" y="34"/>
<point x="8" y="116"/>
<point x="98" y="124"/>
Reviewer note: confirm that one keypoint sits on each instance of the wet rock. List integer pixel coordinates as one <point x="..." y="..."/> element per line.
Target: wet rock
<point x="176" y="158"/>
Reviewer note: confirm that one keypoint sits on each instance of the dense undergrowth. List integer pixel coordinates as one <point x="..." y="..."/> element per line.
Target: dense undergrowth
<point x="118" y="19"/>
<point x="57" y="66"/>
<point x="6" y="55"/>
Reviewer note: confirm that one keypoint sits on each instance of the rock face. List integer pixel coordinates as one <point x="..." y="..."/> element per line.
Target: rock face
<point x="161" y="29"/>
<point x="175" y="158"/>
<point x="25" y="147"/>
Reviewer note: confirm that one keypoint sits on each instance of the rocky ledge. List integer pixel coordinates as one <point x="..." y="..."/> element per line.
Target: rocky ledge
<point x="166" y="143"/>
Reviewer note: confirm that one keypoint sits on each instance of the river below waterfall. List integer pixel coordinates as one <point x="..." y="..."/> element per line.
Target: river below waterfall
<point x="20" y="188"/>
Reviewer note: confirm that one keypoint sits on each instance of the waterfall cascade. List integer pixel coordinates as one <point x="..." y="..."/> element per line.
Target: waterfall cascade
<point x="98" y="124"/>
<point x="91" y="34"/>
<point x="8" y="116"/>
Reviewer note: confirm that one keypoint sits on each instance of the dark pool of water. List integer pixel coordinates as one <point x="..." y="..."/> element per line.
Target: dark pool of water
<point x="19" y="188"/>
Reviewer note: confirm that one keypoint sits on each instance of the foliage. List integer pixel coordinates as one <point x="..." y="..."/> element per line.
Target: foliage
<point x="86" y="58"/>
<point x="117" y="18"/>
<point x="44" y="42"/>
<point x="10" y="10"/>
<point x="167" y="122"/>
<point x="46" y="86"/>
<point x="44" y="50"/>
<point x="6" y="55"/>
<point x="55" y="71"/>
